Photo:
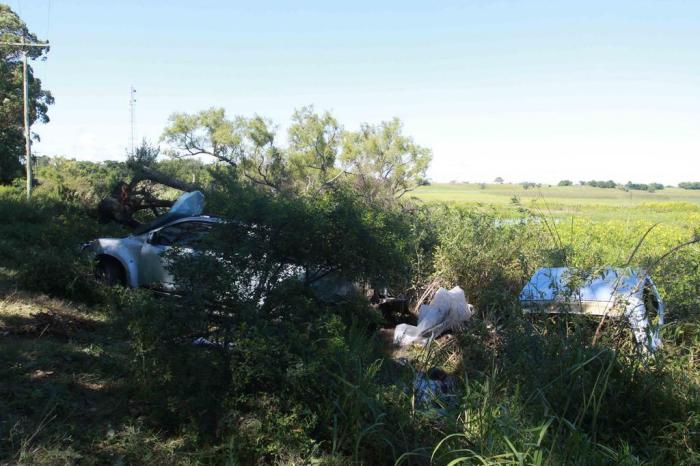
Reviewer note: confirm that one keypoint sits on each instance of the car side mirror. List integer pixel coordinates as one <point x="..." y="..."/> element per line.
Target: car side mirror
<point x="157" y="238"/>
<point x="152" y="238"/>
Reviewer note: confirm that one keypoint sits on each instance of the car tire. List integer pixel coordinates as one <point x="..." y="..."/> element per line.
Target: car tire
<point x="110" y="272"/>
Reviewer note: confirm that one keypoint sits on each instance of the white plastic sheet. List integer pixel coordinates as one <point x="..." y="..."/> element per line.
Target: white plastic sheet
<point x="405" y="334"/>
<point x="448" y="311"/>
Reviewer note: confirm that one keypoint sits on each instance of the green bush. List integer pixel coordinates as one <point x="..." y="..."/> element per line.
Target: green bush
<point x="41" y="240"/>
<point x="488" y="256"/>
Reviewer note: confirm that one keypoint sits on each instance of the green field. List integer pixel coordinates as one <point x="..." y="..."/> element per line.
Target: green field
<point x="669" y="205"/>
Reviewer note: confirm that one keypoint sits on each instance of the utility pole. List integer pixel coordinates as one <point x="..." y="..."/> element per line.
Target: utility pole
<point x="132" y="101"/>
<point x="27" y="136"/>
<point x="25" y="97"/>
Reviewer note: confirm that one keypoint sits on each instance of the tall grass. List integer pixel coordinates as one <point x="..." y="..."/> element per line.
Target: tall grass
<point x="542" y="390"/>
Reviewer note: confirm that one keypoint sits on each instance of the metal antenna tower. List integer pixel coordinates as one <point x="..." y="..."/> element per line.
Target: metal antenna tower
<point x="132" y="101"/>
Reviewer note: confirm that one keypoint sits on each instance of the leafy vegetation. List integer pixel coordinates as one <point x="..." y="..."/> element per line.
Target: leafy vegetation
<point x="378" y="160"/>
<point x="289" y="378"/>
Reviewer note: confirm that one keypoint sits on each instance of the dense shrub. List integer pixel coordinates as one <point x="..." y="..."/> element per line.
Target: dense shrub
<point x="529" y="184"/>
<point x="41" y="239"/>
<point x="490" y="257"/>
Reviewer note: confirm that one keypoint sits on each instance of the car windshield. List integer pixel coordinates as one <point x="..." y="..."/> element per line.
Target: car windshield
<point x="182" y="234"/>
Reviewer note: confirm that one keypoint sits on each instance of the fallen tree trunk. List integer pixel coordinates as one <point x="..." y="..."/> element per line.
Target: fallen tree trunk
<point x="127" y="199"/>
<point x="147" y="173"/>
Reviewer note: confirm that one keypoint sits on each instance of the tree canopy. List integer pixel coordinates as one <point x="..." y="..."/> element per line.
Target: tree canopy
<point x="378" y="160"/>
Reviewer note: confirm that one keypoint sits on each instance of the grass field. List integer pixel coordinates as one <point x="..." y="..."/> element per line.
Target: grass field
<point x="669" y="205"/>
<point x="501" y="194"/>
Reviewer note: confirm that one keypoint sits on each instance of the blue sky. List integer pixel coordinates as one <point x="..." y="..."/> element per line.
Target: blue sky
<point x="526" y="90"/>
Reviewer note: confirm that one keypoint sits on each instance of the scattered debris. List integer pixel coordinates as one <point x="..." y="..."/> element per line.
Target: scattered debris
<point x="201" y="341"/>
<point x="394" y="310"/>
<point x="434" y="388"/>
<point x="40" y="374"/>
<point x="614" y="293"/>
<point x="449" y="310"/>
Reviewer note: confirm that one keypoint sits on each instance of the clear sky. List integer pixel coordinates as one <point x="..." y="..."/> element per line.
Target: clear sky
<point x="525" y="90"/>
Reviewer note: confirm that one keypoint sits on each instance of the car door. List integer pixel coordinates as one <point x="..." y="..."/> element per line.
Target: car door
<point x="154" y="263"/>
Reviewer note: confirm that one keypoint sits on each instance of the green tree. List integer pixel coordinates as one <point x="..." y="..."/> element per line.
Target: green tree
<point x="207" y="133"/>
<point x="383" y="161"/>
<point x="314" y="149"/>
<point x="379" y="160"/>
<point x="12" y="30"/>
<point x="246" y="145"/>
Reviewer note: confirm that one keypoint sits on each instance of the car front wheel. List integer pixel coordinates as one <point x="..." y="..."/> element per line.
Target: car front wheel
<point x="110" y="272"/>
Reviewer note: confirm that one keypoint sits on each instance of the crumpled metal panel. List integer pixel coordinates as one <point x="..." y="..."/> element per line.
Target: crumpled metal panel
<point x="615" y="292"/>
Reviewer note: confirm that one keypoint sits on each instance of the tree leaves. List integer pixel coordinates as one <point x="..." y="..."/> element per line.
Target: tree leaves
<point x="378" y="161"/>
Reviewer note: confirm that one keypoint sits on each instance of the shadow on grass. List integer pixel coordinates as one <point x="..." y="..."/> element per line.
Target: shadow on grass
<point x="61" y="383"/>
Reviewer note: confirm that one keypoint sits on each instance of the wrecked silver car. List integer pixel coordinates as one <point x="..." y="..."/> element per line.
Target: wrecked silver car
<point x="614" y="292"/>
<point x="139" y="260"/>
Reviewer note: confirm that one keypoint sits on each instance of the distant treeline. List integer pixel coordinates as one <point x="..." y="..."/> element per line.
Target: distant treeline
<point x="610" y="184"/>
<point x="600" y="184"/>
<point x="607" y="184"/>
<point x="644" y="187"/>
<point x="632" y="186"/>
